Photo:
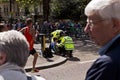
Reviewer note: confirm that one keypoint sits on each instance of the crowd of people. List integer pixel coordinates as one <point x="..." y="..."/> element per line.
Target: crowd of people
<point x="30" y="31"/>
<point x="25" y="48"/>
<point x="73" y="28"/>
<point x="103" y="26"/>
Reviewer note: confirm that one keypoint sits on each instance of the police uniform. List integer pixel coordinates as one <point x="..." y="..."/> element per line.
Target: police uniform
<point x="66" y="44"/>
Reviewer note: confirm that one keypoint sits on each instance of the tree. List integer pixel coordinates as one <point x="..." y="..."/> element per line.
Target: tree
<point x="46" y="8"/>
<point x="68" y="9"/>
<point x="64" y="9"/>
<point x="29" y="5"/>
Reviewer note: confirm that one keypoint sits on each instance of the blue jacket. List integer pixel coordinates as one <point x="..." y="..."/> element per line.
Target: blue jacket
<point x="107" y="67"/>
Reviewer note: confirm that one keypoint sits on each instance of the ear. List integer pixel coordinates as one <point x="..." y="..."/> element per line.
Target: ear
<point x="2" y="58"/>
<point x="116" y="26"/>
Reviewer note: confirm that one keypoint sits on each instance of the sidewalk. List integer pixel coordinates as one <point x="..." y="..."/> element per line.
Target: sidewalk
<point x="84" y="50"/>
<point x="43" y="63"/>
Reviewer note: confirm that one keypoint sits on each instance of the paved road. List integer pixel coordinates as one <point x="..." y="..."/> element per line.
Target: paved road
<point x="74" y="69"/>
<point x="84" y="50"/>
<point x="66" y="71"/>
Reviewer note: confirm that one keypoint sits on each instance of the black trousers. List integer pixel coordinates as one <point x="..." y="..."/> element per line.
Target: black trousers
<point x="62" y="50"/>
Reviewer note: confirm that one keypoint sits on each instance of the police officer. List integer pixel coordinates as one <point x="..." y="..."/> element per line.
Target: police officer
<point x="65" y="45"/>
<point x="55" y="34"/>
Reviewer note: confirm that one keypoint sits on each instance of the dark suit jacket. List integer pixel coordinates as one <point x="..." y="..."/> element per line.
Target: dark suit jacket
<point x="107" y="67"/>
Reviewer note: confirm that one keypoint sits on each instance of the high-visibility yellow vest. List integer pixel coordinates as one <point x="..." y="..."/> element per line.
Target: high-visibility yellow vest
<point x="55" y="34"/>
<point x="68" y="44"/>
<point x="62" y="41"/>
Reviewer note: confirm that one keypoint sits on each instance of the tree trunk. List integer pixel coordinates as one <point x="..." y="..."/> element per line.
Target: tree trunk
<point x="46" y="9"/>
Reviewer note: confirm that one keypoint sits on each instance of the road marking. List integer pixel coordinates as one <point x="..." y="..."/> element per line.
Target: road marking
<point x="86" y="61"/>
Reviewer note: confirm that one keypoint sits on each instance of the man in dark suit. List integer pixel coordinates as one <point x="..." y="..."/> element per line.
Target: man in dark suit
<point x="103" y="26"/>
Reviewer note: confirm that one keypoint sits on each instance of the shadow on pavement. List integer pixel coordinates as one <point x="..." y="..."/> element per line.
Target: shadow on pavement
<point x="49" y="60"/>
<point x="86" y="46"/>
<point x="73" y="59"/>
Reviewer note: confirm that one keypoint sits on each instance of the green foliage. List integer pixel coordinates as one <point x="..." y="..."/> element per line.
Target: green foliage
<point x="3" y="1"/>
<point x="29" y="2"/>
<point x="28" y="5"/>
<point x="25" y="3"/>
<point x="69" y="9"/>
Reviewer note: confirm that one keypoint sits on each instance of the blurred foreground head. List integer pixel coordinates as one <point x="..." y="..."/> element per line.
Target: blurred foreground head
<point x="13" y="48"/>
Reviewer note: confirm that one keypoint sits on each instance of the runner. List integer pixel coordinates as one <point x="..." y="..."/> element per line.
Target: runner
<point x="29" y="33"/>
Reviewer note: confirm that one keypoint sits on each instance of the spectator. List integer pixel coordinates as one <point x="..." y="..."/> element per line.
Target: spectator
<point x="18" y="25"/>
<point x="30" y="33"/>
<point x="13" y="56"/>
<point x="103" y="26"/>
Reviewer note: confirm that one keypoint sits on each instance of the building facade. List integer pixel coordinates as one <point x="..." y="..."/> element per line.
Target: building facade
<point x="13" y="10"/>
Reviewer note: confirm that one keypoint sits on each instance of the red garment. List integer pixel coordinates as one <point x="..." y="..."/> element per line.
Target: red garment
<point x="29" y="38"/>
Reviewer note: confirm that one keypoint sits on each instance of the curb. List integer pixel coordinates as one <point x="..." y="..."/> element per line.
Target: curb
<point x="58" y="62"/>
